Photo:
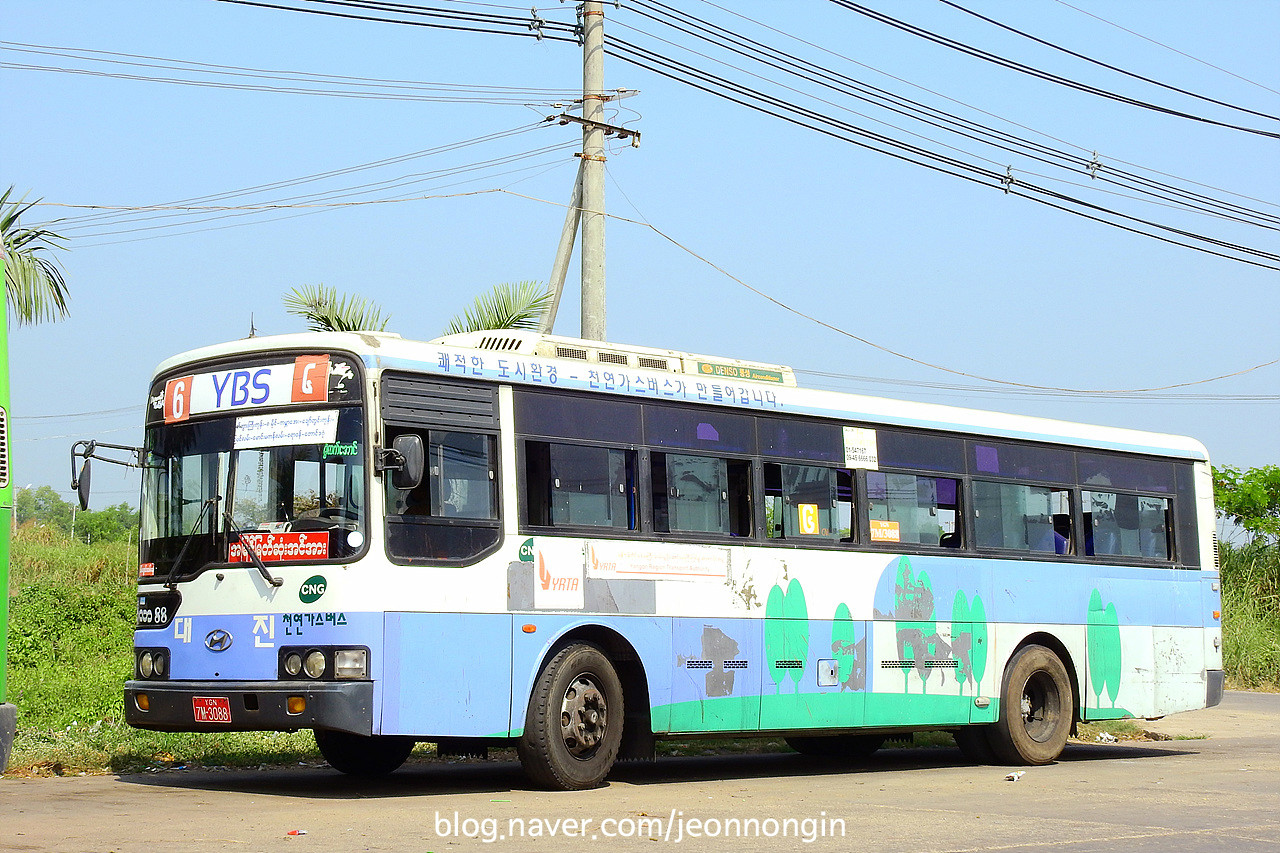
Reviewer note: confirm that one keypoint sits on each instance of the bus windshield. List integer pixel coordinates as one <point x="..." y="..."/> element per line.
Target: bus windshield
<point x="293" y="502"/>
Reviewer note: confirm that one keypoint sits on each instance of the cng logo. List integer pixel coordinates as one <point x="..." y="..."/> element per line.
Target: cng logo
<point x="526" y="551"/>
<point x="312" y="588"/>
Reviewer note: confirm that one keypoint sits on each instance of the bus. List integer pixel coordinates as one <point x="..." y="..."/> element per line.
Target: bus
<point x="577" y="548"/>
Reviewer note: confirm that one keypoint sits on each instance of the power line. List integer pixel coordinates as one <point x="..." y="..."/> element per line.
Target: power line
<point x="844" y="332"/>
<point x="1110" y="158"/>
<point x="780" y="60"/>
<point x="354" y="87"/>
<point x="826" y="125"/>
<point x="1167" y="47"/>
<point x="1108" y="66"/>
<point x="1035" y="72"/>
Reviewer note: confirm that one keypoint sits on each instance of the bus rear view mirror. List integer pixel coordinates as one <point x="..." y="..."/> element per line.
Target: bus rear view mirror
<point x="409" y="461"/>
<point x="82" y="485"/>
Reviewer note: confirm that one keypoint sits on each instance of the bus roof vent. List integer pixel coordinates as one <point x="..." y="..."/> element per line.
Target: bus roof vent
<point x="709" y="368"/>
<point x="571" y="352"/>
<point x="501" y="343"/>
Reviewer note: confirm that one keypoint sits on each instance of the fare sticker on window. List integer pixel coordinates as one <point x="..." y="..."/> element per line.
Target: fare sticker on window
<point x="860" y="449"/>
<point x="809" y="525"/>
<point x="885" y="531"/>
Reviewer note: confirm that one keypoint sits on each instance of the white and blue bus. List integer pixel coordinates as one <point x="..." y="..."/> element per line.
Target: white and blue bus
<point x="577" y="548"/>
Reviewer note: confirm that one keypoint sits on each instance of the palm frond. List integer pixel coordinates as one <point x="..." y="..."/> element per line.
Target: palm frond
<point x="325" y="310"/>
<point x="507" y="306"/>
<point x="34" y="284"/>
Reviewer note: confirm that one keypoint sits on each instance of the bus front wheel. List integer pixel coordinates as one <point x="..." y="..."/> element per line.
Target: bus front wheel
<point x="361" y="755"/>
<point x="573" y="727"/>
<point x="1036" y="709"/>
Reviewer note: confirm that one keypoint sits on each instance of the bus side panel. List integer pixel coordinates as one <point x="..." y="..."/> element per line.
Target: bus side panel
<point x="716" y="675"/>
<point x="446" y="674"/>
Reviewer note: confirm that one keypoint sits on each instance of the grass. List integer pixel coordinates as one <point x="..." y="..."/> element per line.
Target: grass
<point x="70" y="638"/>
<point x="1251" y="616"/>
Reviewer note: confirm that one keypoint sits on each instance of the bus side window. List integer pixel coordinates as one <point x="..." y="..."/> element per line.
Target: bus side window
<point x="804" y="502"/>
<point x="701" y="494"/>
<point x="1019" y="517"/>
<point x="572" y="485"/>
<point x="914" y="509"/>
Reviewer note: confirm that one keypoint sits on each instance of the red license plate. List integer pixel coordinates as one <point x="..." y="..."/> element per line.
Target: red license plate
<point x="211" y="709"/>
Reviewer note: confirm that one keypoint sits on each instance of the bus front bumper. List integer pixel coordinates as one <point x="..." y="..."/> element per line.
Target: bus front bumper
<point x="244" y="706"/>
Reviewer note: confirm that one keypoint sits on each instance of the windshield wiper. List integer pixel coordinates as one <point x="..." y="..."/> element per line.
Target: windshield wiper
<point x="174" y="574"/>
<point x="234" y="536"/>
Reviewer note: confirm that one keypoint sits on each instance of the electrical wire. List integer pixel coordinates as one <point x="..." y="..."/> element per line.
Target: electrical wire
<point x="834" y="128"/>
<point x="888" y="351"/>
<point x="1167" y="47"/>
<point x="1109" y="67"/>
<point x="1162" y="195"/>
<point x="1035" y="72"/>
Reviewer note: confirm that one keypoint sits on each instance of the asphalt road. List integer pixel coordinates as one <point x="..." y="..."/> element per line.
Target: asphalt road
<point x="1217" y="793"/>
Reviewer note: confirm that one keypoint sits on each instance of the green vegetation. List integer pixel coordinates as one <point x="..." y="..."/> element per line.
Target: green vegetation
<point x="1251" y="615"/>
<point x="1250" y="499"/>
<point x="70" y="652"/>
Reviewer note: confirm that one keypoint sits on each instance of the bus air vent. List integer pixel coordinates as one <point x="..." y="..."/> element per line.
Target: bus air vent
<point x="501" y="343"/>
<point x="4" y="447"/>
<point x="654" y="363"/>
<point x="611" y="357"/>
<point x="1216" y="565"/>
<point x="571" y="352"/>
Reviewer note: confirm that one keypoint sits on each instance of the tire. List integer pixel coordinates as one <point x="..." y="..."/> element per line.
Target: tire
<point x="1036" y="709"/>
<point x="361" y="755"/>
<point x="856" y="747"/>
<point x="573" y="727"/>
<point x="975" y="744"/>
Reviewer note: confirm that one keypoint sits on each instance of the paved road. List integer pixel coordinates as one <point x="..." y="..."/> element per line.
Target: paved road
<point x="1220" y="793"/>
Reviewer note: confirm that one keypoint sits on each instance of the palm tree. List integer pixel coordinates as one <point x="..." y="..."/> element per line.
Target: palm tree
<point x="326" y="311"/>
<point x="33" y="281"/>
<point x="507" y="306"/>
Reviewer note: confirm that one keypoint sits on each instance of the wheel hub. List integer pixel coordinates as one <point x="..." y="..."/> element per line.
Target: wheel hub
<point x="583" y="717"/>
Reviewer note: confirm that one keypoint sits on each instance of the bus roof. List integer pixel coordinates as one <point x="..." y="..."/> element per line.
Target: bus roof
<point x="774" y="384"/>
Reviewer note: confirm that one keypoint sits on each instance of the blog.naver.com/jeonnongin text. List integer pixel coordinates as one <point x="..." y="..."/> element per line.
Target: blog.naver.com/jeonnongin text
<point x="673" y="827"/>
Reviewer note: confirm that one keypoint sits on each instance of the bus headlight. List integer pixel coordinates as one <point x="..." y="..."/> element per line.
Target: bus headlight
<point x="314" y="664"/>
<point x="145" y="665"/>
<point x="158" y="664"/>
<point x="293" y="664"/>
<point x="351" y="663"/>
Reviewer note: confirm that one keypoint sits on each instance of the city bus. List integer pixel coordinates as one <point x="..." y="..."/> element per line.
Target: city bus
<point x="578" y="548"/>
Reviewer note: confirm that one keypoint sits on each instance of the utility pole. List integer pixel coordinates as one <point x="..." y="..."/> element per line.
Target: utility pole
<point x="586" y="206"/>
<point x="593" y="313"/>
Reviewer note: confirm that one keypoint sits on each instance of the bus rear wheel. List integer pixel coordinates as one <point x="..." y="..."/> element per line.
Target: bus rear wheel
<point x="573" y="727"/>
<point x="361" y="755"/>
<point x="856" y="747"/>
<point x="1036" y="709"/>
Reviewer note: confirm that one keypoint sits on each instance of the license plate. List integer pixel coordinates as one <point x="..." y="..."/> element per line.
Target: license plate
<point x="211" y="709"/>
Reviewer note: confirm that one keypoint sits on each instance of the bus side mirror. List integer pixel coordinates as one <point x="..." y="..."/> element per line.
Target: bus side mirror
<point x="82" y="485"/>
<point x="80" y="480"/>
<point x="408" y="462"/>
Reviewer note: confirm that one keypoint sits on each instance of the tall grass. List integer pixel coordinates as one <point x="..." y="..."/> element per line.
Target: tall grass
<point x="1251" y="615"/>
<point x="71" y="616"/>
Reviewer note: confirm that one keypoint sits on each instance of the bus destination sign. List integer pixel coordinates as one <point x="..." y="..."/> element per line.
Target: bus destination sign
<point x="307" y="379"/>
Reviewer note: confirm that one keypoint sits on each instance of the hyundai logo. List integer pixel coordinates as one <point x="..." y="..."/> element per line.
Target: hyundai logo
<point x="217" y="640"/>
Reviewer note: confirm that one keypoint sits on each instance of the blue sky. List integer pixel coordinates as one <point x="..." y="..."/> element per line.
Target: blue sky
<point x="942" y="270"/>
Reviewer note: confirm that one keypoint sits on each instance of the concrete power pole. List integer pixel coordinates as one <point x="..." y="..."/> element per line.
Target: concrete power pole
<point x="593" y="96"/>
